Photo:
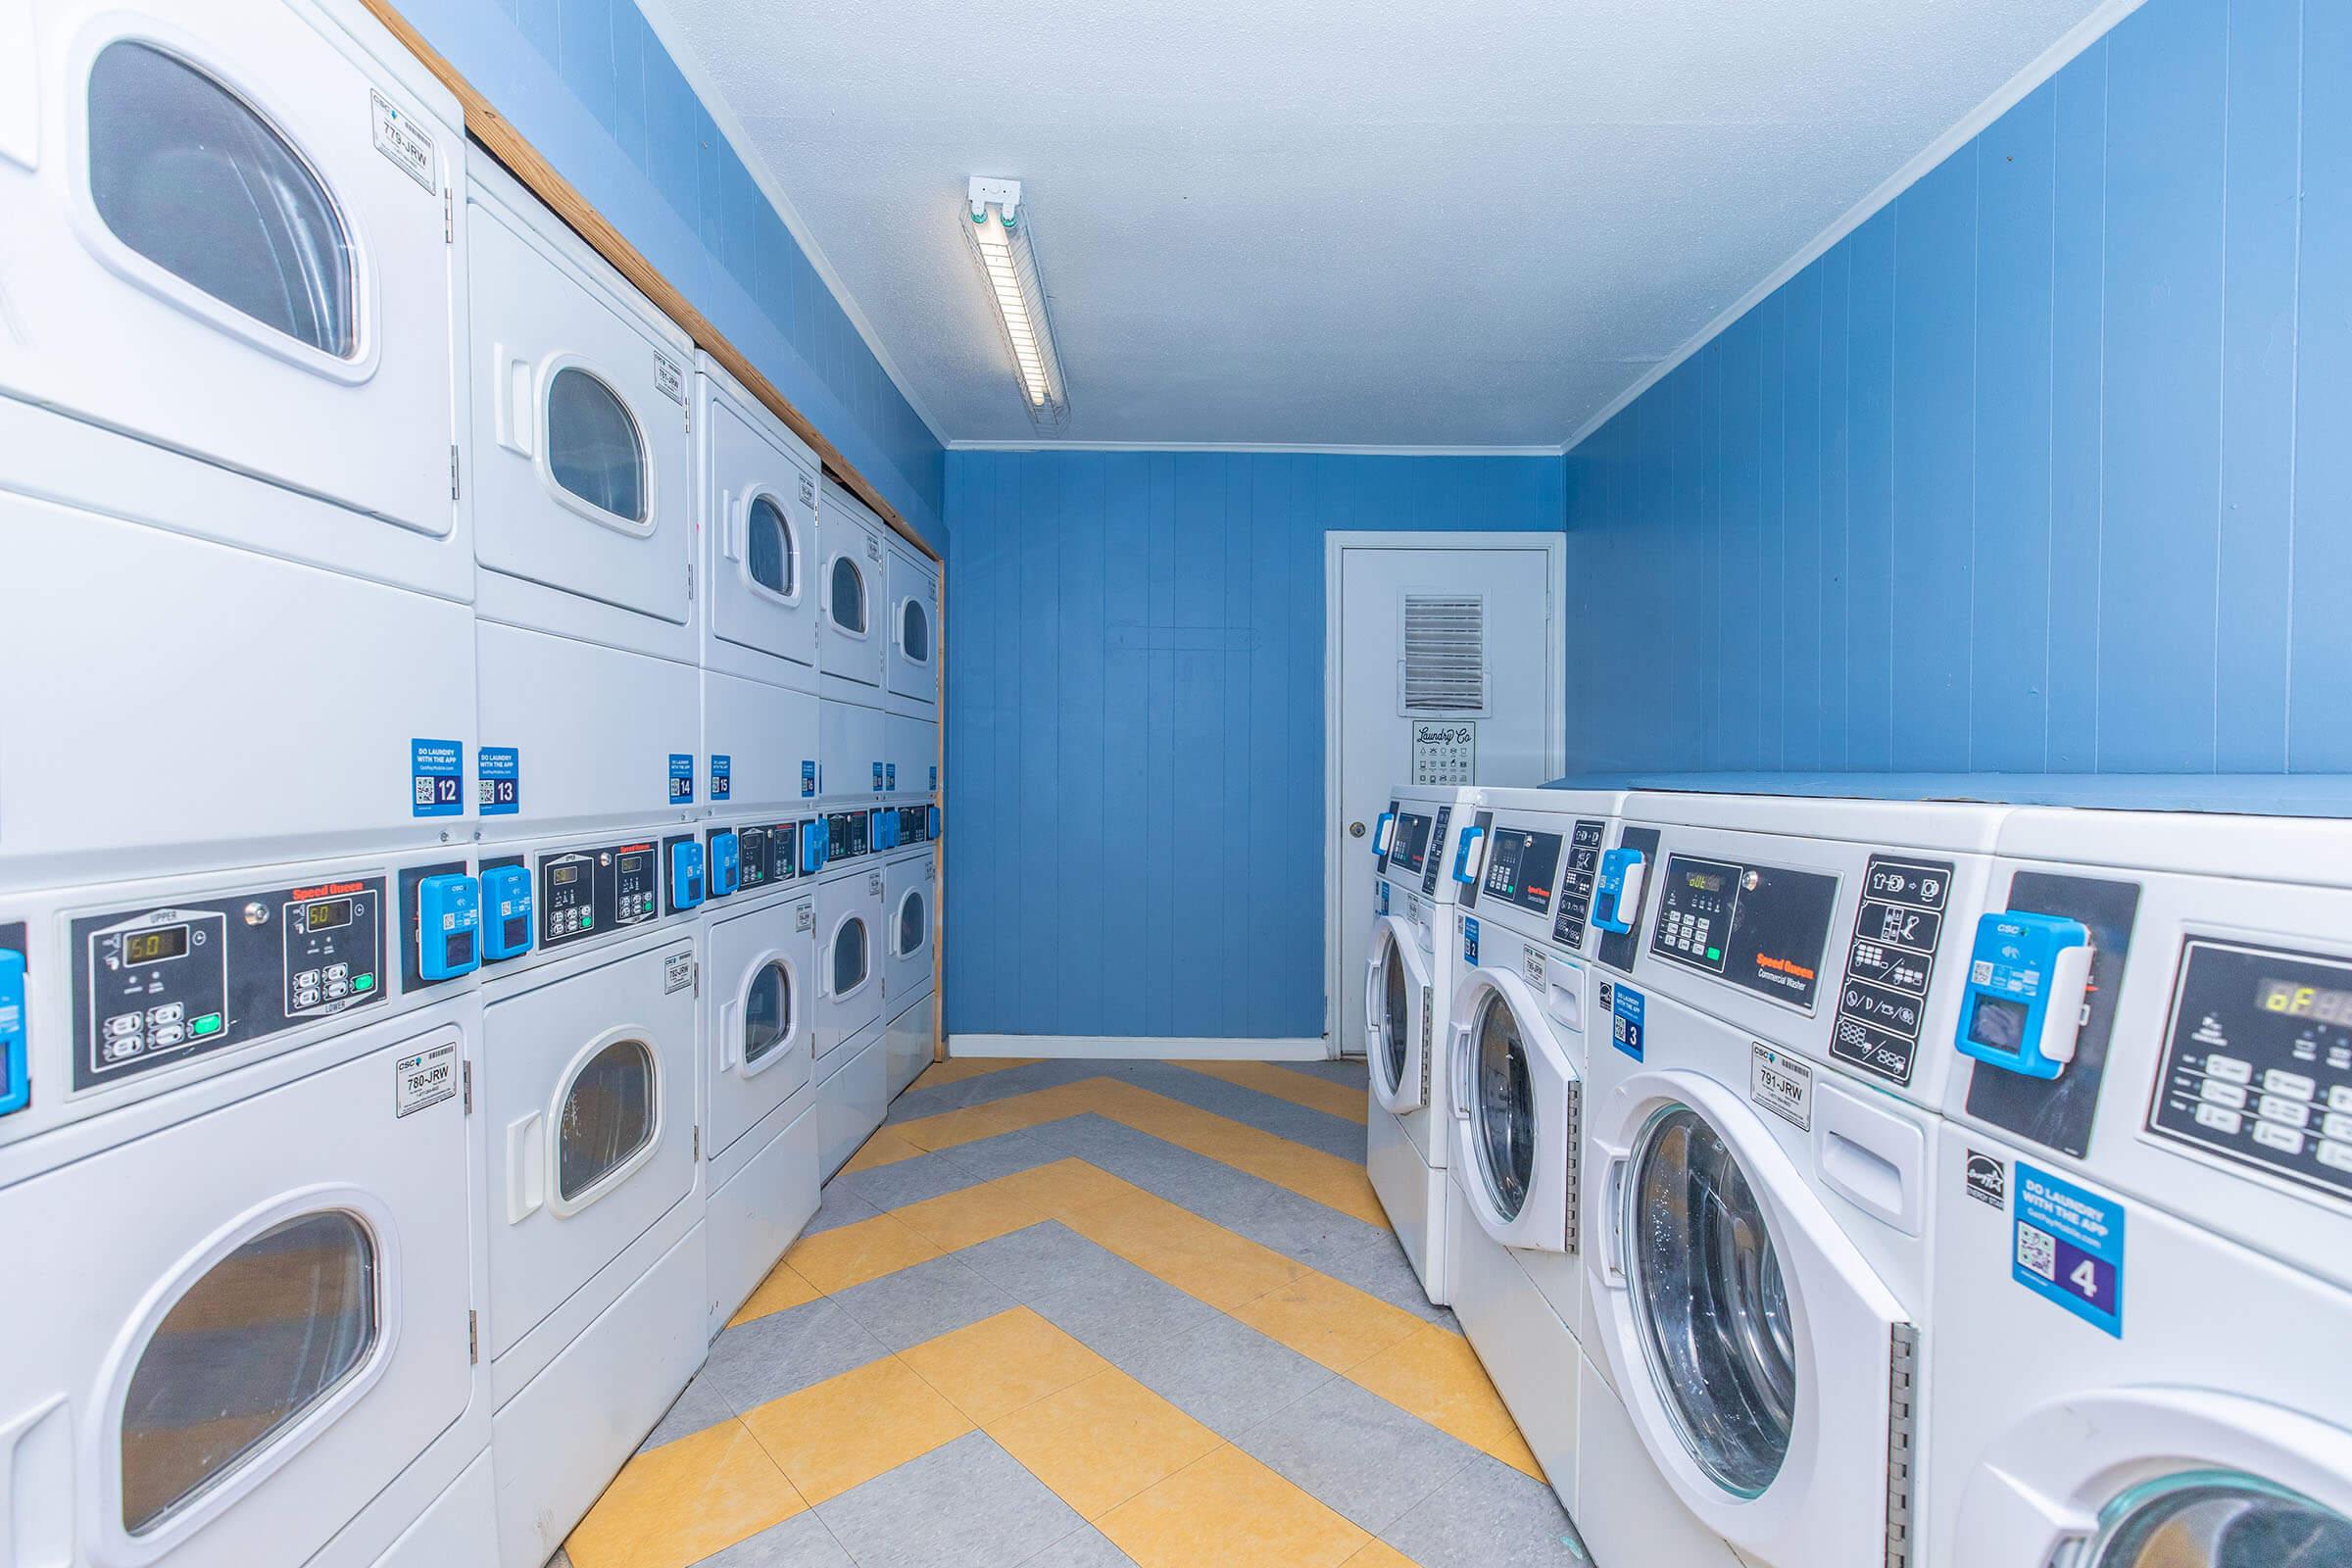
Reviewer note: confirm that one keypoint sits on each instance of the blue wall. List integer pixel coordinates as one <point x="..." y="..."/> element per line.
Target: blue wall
<point x="589" y="86"/>
<point x="1134" y="726"/>
<point x="2047" y="466"/>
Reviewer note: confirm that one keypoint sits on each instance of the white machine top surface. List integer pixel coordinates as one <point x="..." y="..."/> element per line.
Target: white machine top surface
<point x="2325" y="795"/>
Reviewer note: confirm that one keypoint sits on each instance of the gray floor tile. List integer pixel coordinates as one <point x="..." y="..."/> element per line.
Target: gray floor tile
<point x="1285" y="1118"/>
<point x="1225" y="1375"/>
<point x="786" y="1351"/>
<point x="1381" y="1268"/>
<point x="1082" y="1547"/>
<point x="701" y="1406"/>
<point x="1036" y="1261"/>
<point x="1357" y="1452"/>
<point x="1489" y="1515"/>
<point x="1306" y="1231"/>
<point x="968" y="1504"/>
<point x="904" y="1308"/>
<point x="1002" y="1084"/>
<point x="1348" y="1070"/>
<point x="801" y="1542"/>
<point x="905" y="1181"/>
<point x="836" y="1206"/>
<point x="990" y="1158"/>
<point x="1121" y="1310"/>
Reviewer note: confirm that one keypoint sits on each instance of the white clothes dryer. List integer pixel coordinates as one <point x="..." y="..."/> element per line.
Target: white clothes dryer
<point x="913" y="582"/>
<point x="910" y="914"/>
<point x="909" y="756"/>
<point x="759" y="751"/>
<point x="852" y="635"/>
<point x="759" y="550"/>
<point x="849" y="956"/>
<point x="853" y="764"/>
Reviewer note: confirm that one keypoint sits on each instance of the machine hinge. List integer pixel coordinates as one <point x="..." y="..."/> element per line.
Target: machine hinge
<point x="1429" y="1043"/>
<point x="452" y="470"/>
<point x="1902" y="1440"/>
<point x="698" y="978"/>
<point x="698" y="1140"/>
<point x="689" y="582"/>
<point x="473" y="1337"/>
<point x="465" y="1076"/>
<point x="1576" y="1141"/>
<point x="449" y="218"/>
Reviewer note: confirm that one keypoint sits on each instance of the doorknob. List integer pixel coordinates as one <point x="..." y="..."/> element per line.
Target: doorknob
<point x="1355" y="830"/>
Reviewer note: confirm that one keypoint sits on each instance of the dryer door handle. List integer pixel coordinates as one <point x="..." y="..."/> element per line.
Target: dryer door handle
<point x="36" y="1486"/>
<point x="731" y="1033"/>
<point x="517" y="416"/>
<point x="526" y="1168"/>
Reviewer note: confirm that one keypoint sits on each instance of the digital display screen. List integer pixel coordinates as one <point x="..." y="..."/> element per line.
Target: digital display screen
<point x="564" y="876"/>
<point x="1705" y="881"/>
<point x="326" y="915"/>
<point x="156" y="945"/>
<point x="1999" y="1024"/>
<point x="632" y="865"/>
<point x="2295" y="1000"/>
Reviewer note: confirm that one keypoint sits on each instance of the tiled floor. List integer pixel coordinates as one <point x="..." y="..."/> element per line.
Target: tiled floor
<point x="1071" y="1314"/>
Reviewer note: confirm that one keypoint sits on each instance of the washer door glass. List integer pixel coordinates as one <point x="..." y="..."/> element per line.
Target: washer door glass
<point x="1708" y="1297"/>
<point x="185" y="174"/>
<point x="1503" y="1102"/>
<point x="766" y="1010"/>
<point x="2218" y="1519"/>
<point x="265" y="1334"/>
<point x="1395" y="1016"/>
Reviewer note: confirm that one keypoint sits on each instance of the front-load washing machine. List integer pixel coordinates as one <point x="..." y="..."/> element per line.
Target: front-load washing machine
<point x="598" y="1303"/>
<point x="853" y="585"/>
<point x="1408" y="973"/>
<point x="229" y="404"/>
<point x="759" y="1143"/>
<point x="249" y="1335"/>
<point x="910" y="920"/>
<point x="851" y="1061"/>
<point x="911" y="581"/>
<point x="2144" y="1199"/>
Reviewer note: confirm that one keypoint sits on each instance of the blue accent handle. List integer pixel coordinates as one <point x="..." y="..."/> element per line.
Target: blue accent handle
<point x="449" y="920"/>
<point x="1462" y="856"/>
<point x="1380" y="834"/>
<point x="15" y="1070"/>
<point x="506" y="906"/>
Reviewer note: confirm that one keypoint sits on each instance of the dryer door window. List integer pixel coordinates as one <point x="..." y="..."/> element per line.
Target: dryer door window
<point x="184" y="173"/>
<point x="1503" y="1099"/>
<point x="593" y="448"/>
<point x="1395" y="1015"/>
<point x="769" y="552"/>
<point x="848" y="596"/>
<point x="2215" y="1519"/>
<point x="607" y="1117"/>
<point x="915" y="632"/>
<point x="261" y="1337"/>
<point x="914" y="923"/>
<point x="851" y="956"/>
<point x="766" y="1011"/>
<point x="1709" y="1301"/>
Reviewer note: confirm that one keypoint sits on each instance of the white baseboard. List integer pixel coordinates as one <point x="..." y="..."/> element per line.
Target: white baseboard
<point x="1137" y="1047"/>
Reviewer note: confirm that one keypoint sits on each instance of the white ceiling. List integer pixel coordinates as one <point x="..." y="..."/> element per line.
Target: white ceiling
<point x="1336" y="222"/>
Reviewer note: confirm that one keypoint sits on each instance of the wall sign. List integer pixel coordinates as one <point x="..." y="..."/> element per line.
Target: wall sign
<point x="1445" y="753"/>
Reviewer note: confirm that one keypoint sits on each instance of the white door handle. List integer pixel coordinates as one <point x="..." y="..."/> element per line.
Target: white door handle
<point x="36" y="1486"/>
<point x="511" y="394"/>
<point x="730" y="1034"/>
<point x="526" y="1168"/>
<point x="1613" y="1242"/>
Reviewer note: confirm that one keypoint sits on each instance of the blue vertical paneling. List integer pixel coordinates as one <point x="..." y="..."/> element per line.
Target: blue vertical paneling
<point x="2070" y="406"/>
<point x="1125" y="873"/>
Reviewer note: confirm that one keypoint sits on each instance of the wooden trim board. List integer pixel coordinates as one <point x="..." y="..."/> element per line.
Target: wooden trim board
<point x="485" y="124"/>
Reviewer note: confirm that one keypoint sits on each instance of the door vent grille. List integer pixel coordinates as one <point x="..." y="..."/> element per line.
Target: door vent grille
<point x="1445" y="653"/>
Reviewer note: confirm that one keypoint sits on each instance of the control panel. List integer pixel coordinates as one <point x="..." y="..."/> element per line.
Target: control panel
<point x="449" y="921"/>
<point x="1523" y="867"/>
<point x="1408" y="842"/>
<point x="848" y="835"/>
<point x="157" y="986"/>
<point x="1763" y="928"/>
<point x="2258" y="1062"/>
<point x="1890" y="964"/>
<point x="582" y="892"/>
<point x="506" y="912"/>
<point x="1431" y="859"/>
<point x="1576" y="884"/>
<point x="914" y="823"/>
<point x="2026" y="977"/>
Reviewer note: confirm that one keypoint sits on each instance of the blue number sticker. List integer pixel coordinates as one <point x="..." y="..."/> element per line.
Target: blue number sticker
<point x="722" y="776"/>
<point x="2068" y="1247"/>
<point x="500" y="771"/>
<point x="1469" y="939"/>
<point x="877" y="778"/>
<point x="890" y="777"/>
<point x="935" y="777"/>
<point x="436" y="778"/>
<point x="808" y="779"/>
<point x="1625" y="1009"/>
<point x="681" y="778"/>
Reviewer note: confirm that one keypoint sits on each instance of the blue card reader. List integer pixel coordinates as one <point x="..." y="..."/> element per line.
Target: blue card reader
<point x="2026" y="977"/>
<point x="449" y="920"/>
<point x="726" y="861"/>
<point x="507" y="912"/>
<point x="1617" y="902"/>
<point x="16" y="1071"/>
<point x="685" y="875"/>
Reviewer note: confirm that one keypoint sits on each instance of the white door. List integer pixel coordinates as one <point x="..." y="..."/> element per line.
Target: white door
<point x="1449" y="635"/>
<point x="225" y="1338"/>
<point x="759" y="509"/>
<point x="908" y="914"/>
<point x="852" y="588"/>
<point x="588" y="1089"/>
<point x="914" y="632"/>
<point x="1515" y="1107"/>
<point x="849" y="958"/>
<point x="763" y="1015"/>
<point x="583" y="478"/>
<point x="225" y="234"/>
<point x="851" y="743"/>
<point x="1396" y="1000"/>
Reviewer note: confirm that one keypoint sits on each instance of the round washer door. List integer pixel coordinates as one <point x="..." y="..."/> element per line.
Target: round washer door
<point x="1396" y="1035"/>
<point x="2217" y="1519"/>
<point x="1513" y="1087"/>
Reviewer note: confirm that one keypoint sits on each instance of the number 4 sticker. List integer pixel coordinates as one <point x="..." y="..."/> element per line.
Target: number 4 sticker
<point x="2068" y="1247"/>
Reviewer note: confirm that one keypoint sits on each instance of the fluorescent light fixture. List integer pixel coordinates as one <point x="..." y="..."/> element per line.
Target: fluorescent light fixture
<point x="999" y="235"/>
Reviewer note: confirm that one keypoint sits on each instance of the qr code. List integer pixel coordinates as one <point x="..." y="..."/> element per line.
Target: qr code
<point x="2038" y="1251"/>
<point x="424" y="789"/>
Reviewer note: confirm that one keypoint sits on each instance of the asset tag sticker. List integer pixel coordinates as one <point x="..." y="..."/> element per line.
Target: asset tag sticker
<point x="1531" y="964"/>
<point x="670" y="376"/>
<point x="436" y="778"/>
<point x="681" y="778"/>
<point x="2068" y="1247"/>
<point x="1781" y="1083"/>
<point x="722" y="776"/>
<point x="677" y="971"/>
<point x="424" y="1079"/>
<point x="1626" y="1008"/>
<point x="500" y="772"/>
<point x="403" y="140"/>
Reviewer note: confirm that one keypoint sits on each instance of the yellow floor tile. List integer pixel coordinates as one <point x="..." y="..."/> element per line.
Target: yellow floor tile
<point x="967" y="1218"/>
<point x="885" y="1148"/>
<point x="684" y="1500"/>
<point x="1329" y="1180"/>
<point x="849" y="1429"/>
<point x="956" y="1069"/>
<point x="1230" y="1510"/>
<point x="1377" y="1553"/>
<point x="1436" y="1376"/>
<point x="1197" y="1256"/>
<point x="1299" y="1087"/>
<point x="1328" y="1321"/>
<point x="998" y="1366"/>
<point x="1065" y="1187"/>
<point x="785" y="1286"/>
<point x="851" y="1254"/>
<point x="1101" y="1441"/>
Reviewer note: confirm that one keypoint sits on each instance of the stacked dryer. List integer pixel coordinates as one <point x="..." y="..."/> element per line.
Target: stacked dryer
<point x="237" y="1001"/>
<point x="582" y="494"/>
